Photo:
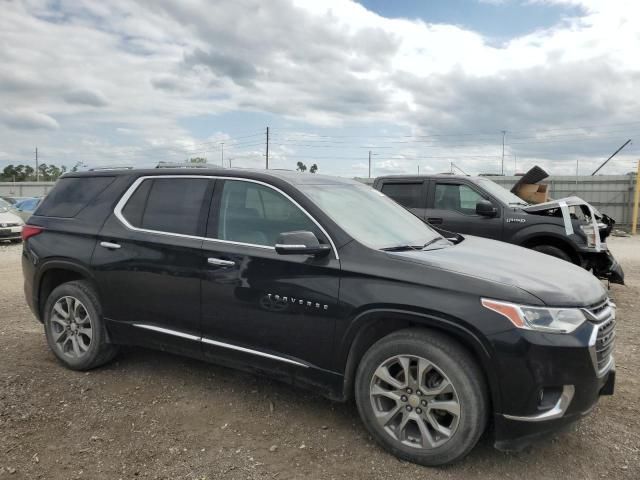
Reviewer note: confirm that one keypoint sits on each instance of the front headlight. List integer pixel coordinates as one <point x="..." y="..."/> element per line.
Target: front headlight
<point x="556" y="320"/>
<point x="590" y="232"/>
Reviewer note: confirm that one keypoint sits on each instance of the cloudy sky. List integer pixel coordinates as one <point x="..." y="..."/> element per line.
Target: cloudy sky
<point x="417" y="83"/>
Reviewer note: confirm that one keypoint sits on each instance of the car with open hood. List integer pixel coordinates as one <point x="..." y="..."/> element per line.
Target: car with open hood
<point x="325" y="283"/>
<point x="568" y="228"/>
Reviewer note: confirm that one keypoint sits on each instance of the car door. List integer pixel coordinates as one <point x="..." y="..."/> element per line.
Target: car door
<point x="452" y="207"/>
<point x="259" y="307"/>
<point x="147" y="262"/>
<point x="411" y="194"/>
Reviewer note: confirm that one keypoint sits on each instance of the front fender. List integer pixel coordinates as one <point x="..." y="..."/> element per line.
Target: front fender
<point x="551" y="230"/>
<point x="380" y="321"/>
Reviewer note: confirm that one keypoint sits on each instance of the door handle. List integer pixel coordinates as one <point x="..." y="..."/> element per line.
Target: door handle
<point x="220" y="262"/>
<point x="110" y="245"/>
<point x="435" y="220"/>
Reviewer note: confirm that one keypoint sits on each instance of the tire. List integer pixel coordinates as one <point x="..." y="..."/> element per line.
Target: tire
<point x="449" y="363"/>
<point x="79" y="340"/>
<point x="553" y="251"/>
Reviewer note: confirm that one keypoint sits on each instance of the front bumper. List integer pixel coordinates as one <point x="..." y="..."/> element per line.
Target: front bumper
<point x="515" y="433"/>
<point x="549" y="381"/>
<point x="603" y="264"/>
<point x="10" y="233"/>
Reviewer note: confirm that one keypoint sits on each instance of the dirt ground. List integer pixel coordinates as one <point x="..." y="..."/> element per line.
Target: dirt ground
<point x="154" y="415"/>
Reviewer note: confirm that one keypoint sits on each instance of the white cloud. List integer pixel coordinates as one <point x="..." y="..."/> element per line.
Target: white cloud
<point x="139" y="68"/>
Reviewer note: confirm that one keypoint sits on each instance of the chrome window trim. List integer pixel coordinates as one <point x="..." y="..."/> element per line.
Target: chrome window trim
<point x="117" y="211"/>
<point x="216" y="343"/>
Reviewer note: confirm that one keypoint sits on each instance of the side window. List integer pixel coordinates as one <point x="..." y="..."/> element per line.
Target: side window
<point x="461" y="198"/>
<point x="255" y="214"/>
<point x="170" y="205"/>
<point x="408" y="195"/>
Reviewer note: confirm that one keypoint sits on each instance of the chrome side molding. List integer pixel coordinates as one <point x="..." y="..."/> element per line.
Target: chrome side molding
<point x="216" y="343"/>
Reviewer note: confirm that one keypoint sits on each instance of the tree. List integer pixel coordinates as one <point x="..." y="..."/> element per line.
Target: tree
<point x="301" y="167"/>
<point x="23" y="173"/>
<point x="313" y="169"/>
<point x="78" y="166"/>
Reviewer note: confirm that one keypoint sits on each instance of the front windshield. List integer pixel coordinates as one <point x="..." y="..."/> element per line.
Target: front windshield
<point x="4" y="205"/>
<point x="502" y="194"/>
<point x="369" y="216"/>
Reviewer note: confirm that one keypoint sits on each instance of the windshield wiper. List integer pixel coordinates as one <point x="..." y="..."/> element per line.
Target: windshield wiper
<point x="401" y="248"/>
<point x="519" y="203"/>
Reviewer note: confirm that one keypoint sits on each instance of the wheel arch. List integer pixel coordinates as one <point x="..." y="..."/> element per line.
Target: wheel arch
<point x="372" y="325"/>
<point x="555" y="241"/>
<point x="53" y="274"/>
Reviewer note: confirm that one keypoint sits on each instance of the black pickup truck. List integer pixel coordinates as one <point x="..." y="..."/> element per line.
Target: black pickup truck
<point x="562" y="228"/>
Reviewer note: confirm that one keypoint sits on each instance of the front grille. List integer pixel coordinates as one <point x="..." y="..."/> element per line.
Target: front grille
<point x="604" y="316"/>
<point x="5" y="225"/>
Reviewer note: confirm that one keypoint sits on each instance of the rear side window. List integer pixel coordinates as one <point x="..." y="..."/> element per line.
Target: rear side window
<point x="172" y="205"/>
<point x="70" y="195"/>
<point x="408" y="195"/>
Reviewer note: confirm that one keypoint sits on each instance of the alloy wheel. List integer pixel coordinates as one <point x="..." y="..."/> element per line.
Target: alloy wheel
<point x="414" y="402"/>
<point x="71" y="327"/>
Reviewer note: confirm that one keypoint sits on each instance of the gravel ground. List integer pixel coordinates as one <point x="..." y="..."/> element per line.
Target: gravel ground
<point x="154" y="415"/>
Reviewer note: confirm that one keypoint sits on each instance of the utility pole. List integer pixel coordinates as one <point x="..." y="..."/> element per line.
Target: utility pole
<point x="37" y="170"/>
<point x="504" y="132"/>
<point x="222" y="154"/>
<point x="267" y="152"/>
<point x="636" y="199"/>
<point x="369" y="163"/>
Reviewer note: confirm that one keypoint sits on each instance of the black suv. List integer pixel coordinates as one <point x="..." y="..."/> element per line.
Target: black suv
<point x="563" y="228"/>
<point x="327" y="283"/>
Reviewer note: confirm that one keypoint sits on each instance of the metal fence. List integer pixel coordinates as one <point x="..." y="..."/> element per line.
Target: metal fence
<point x="611" y="194"/>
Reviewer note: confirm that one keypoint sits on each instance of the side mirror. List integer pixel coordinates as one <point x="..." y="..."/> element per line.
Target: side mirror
<point x="486" y="208"/>
<point x="300" y="243"/>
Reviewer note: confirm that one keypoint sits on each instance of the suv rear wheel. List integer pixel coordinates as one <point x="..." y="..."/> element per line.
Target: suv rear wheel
<point x="422" y="396"/>
<point x="74" y="327"/>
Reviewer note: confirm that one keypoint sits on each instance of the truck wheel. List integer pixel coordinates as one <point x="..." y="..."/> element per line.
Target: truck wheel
<point x="553" y="251"/>
<point x="422" y="397"/>
<point x="75" y="328"/>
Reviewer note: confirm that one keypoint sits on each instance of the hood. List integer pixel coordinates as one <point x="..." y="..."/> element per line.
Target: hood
<point x="554" y="281"/>
<point x="7" y="216"/>
<point x="568" y="201"/>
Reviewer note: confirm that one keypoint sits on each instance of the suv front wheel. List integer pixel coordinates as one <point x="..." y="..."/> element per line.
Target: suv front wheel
<point x="422" y="396"/>
<point x="75" y="328"/>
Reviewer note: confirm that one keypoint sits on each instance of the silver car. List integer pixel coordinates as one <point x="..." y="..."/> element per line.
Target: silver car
<point x="10" y="222"/>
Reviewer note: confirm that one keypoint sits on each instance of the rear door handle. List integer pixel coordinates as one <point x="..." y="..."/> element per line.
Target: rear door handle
<point x="434" y="220"/>
<point x="110" y="245"/>
<point x="220" y="262"/>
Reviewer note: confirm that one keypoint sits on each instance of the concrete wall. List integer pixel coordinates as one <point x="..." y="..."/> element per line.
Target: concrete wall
<point x="25" y="189"/>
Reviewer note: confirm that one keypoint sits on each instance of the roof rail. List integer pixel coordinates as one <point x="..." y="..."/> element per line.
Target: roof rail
<point x="185" y="165"/>
<point x="124" y="167"/>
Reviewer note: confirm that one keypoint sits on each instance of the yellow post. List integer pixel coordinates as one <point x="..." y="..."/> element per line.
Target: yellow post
<point x="636" y="199"/>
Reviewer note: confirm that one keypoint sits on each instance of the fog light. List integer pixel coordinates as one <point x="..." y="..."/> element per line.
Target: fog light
<point x="548" y="397"/>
